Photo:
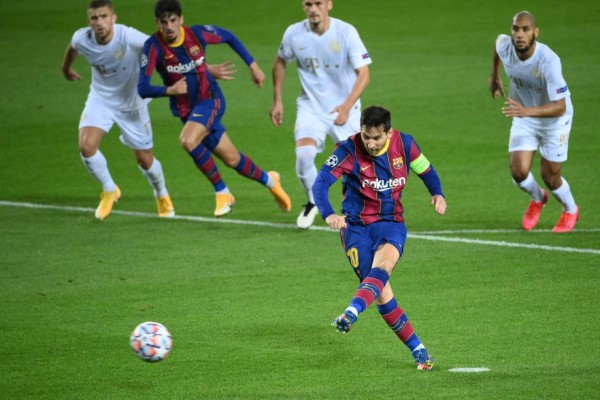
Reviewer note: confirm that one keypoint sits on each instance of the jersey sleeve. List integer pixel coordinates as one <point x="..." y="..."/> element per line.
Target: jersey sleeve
<point x="78" y="38"/>
<point x="338" y="164"/>
<point x="357" y="52"/>
<point x="215" y="35"/>
<point x="421" y="166"/>
<point x="136" y="39"/>
<point x="503" y="47"/>
<point x="147" y="66"/>
<point x="286" y="51"/>
<point x="555" y="82"/>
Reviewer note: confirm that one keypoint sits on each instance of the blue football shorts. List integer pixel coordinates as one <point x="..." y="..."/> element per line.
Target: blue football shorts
<point x="361" y="242"/>
<point x="209" y="114"/>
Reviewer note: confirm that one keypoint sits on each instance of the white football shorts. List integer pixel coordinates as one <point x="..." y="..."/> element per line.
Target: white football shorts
<point x="135" y="126"/>
<point x="552" y="141"/>
<point x="317" y="126"/>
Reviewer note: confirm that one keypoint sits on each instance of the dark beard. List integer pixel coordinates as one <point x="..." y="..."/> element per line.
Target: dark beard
<point x="524" y="50"/>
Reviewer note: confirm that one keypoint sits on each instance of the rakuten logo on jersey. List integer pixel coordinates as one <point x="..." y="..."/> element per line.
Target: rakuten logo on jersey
<point x="381" y="185"/>
<point x="183" y="68"/>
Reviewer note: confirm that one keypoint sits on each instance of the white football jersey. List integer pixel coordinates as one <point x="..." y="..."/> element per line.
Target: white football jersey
<point x="326" y="63"/>
<point x="535" y="81"/>
<point x="115" y="65"/>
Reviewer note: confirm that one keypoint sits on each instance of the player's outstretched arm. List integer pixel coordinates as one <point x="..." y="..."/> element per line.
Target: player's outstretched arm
<point x="226" y="36"/>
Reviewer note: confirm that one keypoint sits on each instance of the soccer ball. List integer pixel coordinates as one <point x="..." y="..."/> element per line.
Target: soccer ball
<point x="151" y="341"/>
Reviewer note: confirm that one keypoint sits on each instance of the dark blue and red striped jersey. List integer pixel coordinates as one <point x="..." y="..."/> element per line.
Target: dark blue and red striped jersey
<point x="372" y="185"/>
<point x="187" y="58"/>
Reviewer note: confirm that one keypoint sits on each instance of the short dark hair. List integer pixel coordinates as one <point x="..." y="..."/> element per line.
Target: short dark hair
<point x="167" y="7"/>
<point x="375" y="117"/>
<point x="93" y="4"/>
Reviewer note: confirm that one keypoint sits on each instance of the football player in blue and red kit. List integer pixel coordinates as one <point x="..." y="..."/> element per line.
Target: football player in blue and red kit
<point x="375" y="164"/>
<point x="178" y="53"/>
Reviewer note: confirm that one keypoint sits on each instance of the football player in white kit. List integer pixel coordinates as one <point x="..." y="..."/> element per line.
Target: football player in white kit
<point x="333" y="69"/>
<point x="113" y="50"/>
<point x="540" y="106"/>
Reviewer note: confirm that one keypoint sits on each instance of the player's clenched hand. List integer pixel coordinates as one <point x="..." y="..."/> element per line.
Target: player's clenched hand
<point x="439" y="204"/>
<point x="258" y="76"/>
<point x="342" y="115"/>
<point x="276" y="113"/>
<point x="496" y="86"/>
<point x="336" y="221"/>
<point x="179" y="87"/>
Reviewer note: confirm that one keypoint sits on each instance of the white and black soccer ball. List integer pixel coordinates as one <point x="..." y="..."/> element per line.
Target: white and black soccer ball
<point x="151" y="341"/>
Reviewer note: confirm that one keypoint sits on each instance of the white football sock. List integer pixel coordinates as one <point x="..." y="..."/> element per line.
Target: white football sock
<point x="98" y="168"/>
<point x="155" y="177"/>
<point x="564" y="196"/>
<point x="306" y="169"/>
<point x="270" y="182"/>
<point x="530" y="186"/>
<point x="353" y="310"/>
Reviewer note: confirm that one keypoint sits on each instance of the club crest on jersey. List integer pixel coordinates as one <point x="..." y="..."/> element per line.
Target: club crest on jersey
<point x="144" y="60"/>
<point x="119" y="54"/>
<point x="398" y="162"/>
<point x="336" y="47"/>
<point x="194" y="50"/>
<point x="332" y="161"/>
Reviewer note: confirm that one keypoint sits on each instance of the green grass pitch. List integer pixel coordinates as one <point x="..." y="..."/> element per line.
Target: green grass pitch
<point x="249" y="299"/>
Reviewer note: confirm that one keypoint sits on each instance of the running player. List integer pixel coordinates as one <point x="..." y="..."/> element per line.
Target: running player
<point x="540" y="106"/>
<point x="113" y="50"/>
<point x="375" y="164"/>
<point x="178" y="52"/>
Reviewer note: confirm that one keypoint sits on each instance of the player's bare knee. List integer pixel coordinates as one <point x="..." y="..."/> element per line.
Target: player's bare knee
<point x="87" y="150"/>
<point x="519" y="175"/>
<point x="385" y="265"/>
<point x="232" y="161"/>
<point x="552" y="181"/>
<point x="144" y="164"/>
<point x="187" y="144"/>
<point x="144" y="158"/>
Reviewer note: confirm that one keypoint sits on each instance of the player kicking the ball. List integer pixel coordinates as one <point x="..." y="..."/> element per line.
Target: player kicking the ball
<point x="375" y="164"/>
